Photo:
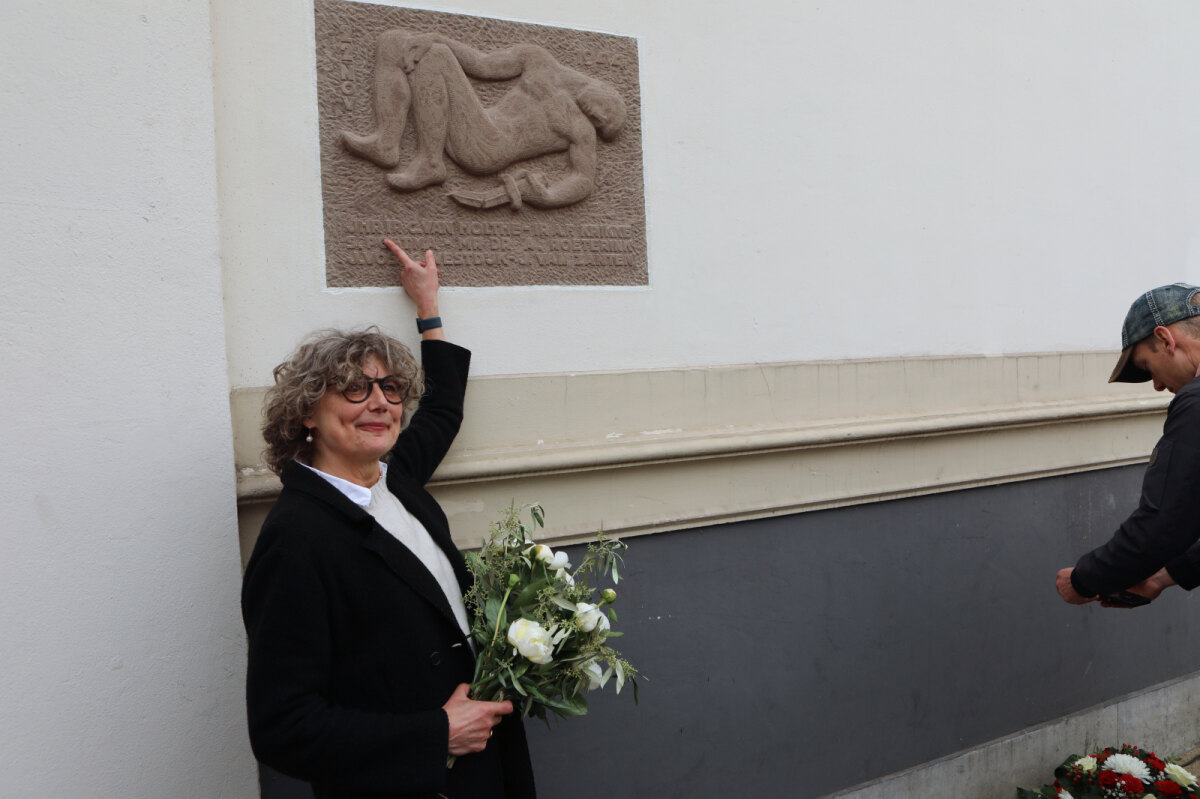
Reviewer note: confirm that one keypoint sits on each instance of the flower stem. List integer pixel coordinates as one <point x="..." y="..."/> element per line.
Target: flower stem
<point x="503" y="605"/>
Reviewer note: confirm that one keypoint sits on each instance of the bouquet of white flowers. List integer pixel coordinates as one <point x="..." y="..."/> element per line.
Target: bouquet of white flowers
<point x="540" y="632"/>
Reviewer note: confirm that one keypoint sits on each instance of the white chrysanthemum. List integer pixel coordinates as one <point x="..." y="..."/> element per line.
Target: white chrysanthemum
<point x="1179" y="775"/>
<point x="1063" y="793"/>
<point x="1087" y="764"/>
<point x="1127" y="764"/>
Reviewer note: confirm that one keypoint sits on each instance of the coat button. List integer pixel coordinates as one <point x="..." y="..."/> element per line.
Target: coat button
<point x="435" y="658"/>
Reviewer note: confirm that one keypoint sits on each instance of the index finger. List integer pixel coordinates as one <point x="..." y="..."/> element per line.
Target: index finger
<point x="404" y="257"/>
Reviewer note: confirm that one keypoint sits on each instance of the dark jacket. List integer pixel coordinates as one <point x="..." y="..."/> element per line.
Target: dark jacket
<point x="1167" y="520"/>
<point x="353" y="646"/>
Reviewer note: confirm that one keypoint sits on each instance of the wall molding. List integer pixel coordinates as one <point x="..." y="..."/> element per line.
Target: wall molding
<point x="658" y="450"/>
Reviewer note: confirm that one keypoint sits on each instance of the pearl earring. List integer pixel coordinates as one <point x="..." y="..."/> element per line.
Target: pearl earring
<point x="308" y="438"/>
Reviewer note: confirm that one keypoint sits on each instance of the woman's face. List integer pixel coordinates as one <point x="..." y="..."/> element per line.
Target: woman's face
<point x="349" y="437"/>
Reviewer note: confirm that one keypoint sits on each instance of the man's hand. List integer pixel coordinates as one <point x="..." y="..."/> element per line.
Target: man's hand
<point x="471" y="721"/>
<point x="1067" y="591"/>
<point x="1150" y="588"/>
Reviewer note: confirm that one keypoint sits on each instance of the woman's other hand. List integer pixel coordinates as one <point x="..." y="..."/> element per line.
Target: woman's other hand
<point x="471" y="721"/>
<point x="421" y="283"/>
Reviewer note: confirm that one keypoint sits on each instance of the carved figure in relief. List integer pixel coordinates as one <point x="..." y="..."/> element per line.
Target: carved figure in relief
<point x="550" y="108"/>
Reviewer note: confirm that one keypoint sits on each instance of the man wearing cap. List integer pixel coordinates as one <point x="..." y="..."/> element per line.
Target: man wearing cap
<point x="1156" y="547"/>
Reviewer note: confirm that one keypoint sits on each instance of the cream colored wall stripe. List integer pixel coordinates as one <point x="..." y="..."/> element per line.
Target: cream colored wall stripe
<point x="657" y="450"/>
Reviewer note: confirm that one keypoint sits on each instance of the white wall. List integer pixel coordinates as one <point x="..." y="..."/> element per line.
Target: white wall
<point x="823" y="180"/>
<point x="121" y="649"/>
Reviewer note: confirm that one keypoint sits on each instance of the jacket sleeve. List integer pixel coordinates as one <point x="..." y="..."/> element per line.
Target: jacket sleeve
<point x="294" y="727"/>
<point x="1167" y="520"/>
<point x="1185" y="569"/>
<point x="432" y="429"/>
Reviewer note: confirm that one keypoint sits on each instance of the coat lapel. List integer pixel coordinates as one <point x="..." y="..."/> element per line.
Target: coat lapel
<point x="399" y="559"/>
<point x="409" y="568"/>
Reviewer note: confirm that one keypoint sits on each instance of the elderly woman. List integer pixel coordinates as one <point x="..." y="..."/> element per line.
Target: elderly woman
<point x="359" y="657"/>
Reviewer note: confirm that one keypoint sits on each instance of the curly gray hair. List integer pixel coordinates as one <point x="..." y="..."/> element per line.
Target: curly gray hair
<point x="327" y="359"/>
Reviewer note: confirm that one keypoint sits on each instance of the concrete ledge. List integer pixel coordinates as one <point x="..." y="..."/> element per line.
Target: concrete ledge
<point x="1161" y="718"/>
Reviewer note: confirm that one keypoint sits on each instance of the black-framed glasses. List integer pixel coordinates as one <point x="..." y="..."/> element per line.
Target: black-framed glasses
<point x="394" y="389"/>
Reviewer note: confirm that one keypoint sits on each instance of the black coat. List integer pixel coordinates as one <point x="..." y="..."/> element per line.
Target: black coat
<point x="1164" y="529"/>
<point x="353" y="646"/>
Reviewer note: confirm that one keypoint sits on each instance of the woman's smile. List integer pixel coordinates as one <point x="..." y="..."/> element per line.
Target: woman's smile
<point x="349" y="438"/>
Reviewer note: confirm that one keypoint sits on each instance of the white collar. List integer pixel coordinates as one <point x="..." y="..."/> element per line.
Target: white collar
<point x="359" y="495"/>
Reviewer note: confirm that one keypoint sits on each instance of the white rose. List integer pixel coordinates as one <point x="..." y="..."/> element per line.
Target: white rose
<point x="531" y="640"/>
<point x="556" y="562"/>
<point x="1087" y="764"/>
<point x="552" y="559"/>
<point x="595" y="674"/>
<point x="590" y="617"/>
<point x="1179" y="775"/>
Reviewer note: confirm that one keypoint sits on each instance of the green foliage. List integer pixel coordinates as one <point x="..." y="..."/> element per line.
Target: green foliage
<point x="516" y="579"/>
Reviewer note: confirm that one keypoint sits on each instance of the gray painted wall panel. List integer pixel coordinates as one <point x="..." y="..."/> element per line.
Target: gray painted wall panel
<point x="798" y="655"/>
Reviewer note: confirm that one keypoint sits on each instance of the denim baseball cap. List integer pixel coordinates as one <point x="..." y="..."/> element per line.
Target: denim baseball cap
<point x="1162" y="306"/>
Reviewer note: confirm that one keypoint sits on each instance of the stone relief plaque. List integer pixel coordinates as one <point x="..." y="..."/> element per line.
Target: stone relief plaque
<point x="513" y="150"/>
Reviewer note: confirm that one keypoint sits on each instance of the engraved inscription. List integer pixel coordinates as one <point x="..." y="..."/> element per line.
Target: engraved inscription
<point x="513" y="150"/>
<point x="519" y="244"/>
<point x="345" y="55"/>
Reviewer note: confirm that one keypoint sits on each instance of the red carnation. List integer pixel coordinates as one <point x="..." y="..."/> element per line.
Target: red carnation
<point x="1107" y="779"/>
<point x="1132" y="785"/>
<point x="1168" y="788"/>
<point x="1153" y="762"/>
